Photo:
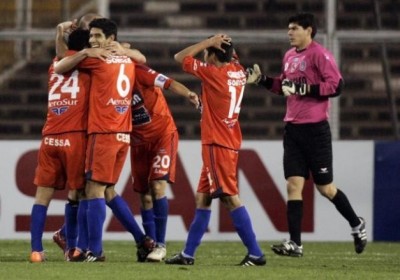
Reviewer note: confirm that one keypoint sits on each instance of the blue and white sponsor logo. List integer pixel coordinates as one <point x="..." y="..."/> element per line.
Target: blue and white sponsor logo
<point x="59" y="110"/>
<point x="160" y="80"/>
<point x="121" y="109"/>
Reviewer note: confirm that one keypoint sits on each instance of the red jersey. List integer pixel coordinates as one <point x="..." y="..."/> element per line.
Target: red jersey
<point x="68" y="99"/>
<point x="151" y="117"/>
<point x="222" y="93"/>
<point x="110" y="94"/>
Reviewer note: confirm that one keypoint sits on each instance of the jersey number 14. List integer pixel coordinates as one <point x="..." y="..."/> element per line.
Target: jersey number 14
<point x="234" y="107"/>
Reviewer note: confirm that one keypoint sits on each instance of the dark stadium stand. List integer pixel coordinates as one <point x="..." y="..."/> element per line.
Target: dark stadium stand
<point x="364" y="107"/>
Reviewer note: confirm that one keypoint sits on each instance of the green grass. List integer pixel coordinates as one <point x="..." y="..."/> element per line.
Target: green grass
<point x="214" y="260"/>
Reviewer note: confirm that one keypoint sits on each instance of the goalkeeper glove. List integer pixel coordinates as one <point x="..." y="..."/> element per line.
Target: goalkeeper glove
<point x="253" y="74"/>
<point x="291" y="88"/>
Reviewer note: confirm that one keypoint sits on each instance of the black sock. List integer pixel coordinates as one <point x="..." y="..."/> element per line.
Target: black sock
<point x="294" y="218"/>
<point x="342" y="204"/>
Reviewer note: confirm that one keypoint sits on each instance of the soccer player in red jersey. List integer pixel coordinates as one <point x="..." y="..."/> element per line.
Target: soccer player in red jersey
<point x="118" y="205"/>
<point x="109" y="127"/>
<point x="61" y="237"/>
<point x="223" y="83"/>
<point x="154" y="143"/>
<point x="67" y="240"/>
<point x="309" y="78"/>
<point x="61" y="159"/>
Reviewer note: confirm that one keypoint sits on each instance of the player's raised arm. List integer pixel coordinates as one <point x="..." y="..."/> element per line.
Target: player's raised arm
<point x="63" y="28"/>
<point x="69" y="62"/>
<point x="182" y="90"/>
<point x="215" y="41"/>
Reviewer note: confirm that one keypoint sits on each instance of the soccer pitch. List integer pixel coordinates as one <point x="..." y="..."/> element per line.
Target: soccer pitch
<point x="214" y="260"/>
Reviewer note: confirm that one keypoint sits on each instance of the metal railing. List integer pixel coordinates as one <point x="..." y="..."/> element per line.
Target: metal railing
<point x="333" y="39"/>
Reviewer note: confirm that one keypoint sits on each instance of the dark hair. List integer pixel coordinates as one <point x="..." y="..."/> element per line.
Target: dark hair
<point x="78" y="39"/>
<point x="106" y="25"/>
<point x="305" y="20"/>
<point x="222" y="56"/>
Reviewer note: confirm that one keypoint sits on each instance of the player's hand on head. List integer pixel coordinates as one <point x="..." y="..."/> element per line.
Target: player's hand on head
<point x="291" y="88"/>
<point x="67" y="26"/>
<point x="253" y="74"/>
<point x="220" y="39"/>
<point x="74" y="24"/>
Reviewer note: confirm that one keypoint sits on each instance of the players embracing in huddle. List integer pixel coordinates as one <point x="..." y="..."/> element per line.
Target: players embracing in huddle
<point x="104" y="101"/>
<point x="106" y="125"/>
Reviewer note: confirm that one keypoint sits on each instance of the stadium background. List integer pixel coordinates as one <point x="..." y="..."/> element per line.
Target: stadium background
<point x="362" y="34"/>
